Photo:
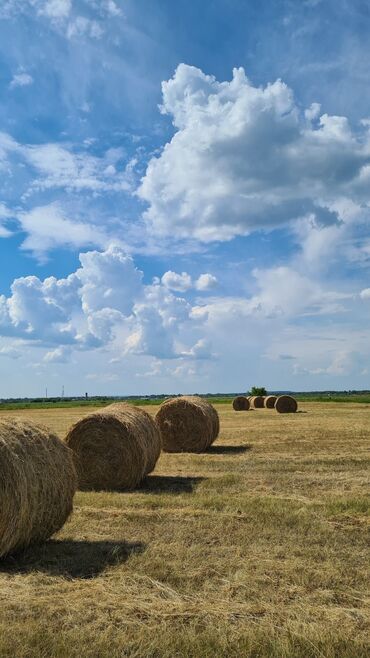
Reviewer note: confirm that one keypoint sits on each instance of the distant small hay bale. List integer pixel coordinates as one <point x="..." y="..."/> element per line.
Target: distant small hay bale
<point x="285" y="404"/>
<point x="187" y="424"/>
<point x="257" y="402"/>
<point x="37" y="484"/>
<point x="241" y="403"/>
<point x="270" y="401"/>
<point x="114" y="448"/>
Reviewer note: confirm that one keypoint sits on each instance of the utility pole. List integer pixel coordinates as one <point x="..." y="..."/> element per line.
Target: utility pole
<point x="46" y="392"/>
<point x="63" y="391"/>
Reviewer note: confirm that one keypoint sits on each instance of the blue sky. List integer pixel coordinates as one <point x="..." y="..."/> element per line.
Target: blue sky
<point x="184" y="195"/>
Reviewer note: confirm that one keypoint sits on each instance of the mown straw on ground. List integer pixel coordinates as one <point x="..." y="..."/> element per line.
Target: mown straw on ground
<point x="256" y="548"/>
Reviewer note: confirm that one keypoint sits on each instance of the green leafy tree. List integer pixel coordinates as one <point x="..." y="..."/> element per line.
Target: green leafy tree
<point x="258" y="390"/>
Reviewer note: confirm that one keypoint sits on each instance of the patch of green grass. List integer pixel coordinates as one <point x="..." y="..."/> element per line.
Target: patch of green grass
<point x="69" y="404"/>
<point x="59" y="403"/>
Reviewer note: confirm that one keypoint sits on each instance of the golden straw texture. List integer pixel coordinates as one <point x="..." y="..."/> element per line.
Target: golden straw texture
<point x="241" y="403"/>
<point x="37" y="484"/>
<point x="187" y="424"/>
<point x="114" y="448"/>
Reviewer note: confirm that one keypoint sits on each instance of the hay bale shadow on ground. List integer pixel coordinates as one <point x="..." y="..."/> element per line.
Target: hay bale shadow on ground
<point x="70" y="558"/>
<point x="175" y="484"/>
<point x="228" y="450"/>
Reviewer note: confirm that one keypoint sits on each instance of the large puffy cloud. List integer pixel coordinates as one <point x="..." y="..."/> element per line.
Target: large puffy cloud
<point x="105" y="307"/>
<point x="157" y="321"/>
<point x="103" y="304"/>
<point x="109" y="280"/>
<point x="246" y="157"/>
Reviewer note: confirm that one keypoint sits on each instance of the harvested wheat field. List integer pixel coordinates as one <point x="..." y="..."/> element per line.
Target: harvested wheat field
<point x="256" y="548"/>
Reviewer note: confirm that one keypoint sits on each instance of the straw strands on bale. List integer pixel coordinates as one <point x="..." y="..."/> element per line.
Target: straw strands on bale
<point x="37" y="484"/>
<point x="187" y="424"/>
<point x="115" y="448"/>
<point x="151" y="439"/>
<point x="241" y="403"/>
<point x="257" y="402"/>
<point x="270" y="401"/>
<point x="285" y="404"/>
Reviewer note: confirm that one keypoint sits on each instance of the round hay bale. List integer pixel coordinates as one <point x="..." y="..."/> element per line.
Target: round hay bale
<point x="285" y="404"/>
<point x="152" y="439"/>
<point x="187" y="424"/>
<point x="114" y="448"/>
<point x="37" y="484"/>
<point x="257" y="402"/>
<point x="241" y="403"/>
<point x="270" y="401"/>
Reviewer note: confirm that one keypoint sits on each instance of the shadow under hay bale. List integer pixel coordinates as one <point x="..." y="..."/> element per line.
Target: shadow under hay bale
<point x="270" y="401"/>
<point x="187" y="424"/>
<point x="175" y="484"/>
<point x="37" y="484"/>
<point x="115" y="448"/>
<point x="71" y="559"/>
<point x="286" y="404"/>
<point x="241" y="403"/>
<point x="228" y="450"/>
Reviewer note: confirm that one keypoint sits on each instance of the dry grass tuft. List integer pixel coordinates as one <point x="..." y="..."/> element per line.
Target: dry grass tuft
<point x="38" y="482"/>
<point x="187" y="424"/>
<point x="114" y="448"/>
<point x="256" y="549"/>
<point x="241" y="403"/>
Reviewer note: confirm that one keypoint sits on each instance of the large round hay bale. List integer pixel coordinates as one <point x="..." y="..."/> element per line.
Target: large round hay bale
<point x="241" y="403"/>
<point x="37" y="484"/>
<point x="257" y="402"/>
<point x="114" y="448"/>
<point x="270" y="401"/>
<point x="152" y="438"/>
<point x="187" y="424"/>
<point x="285" y="404"/>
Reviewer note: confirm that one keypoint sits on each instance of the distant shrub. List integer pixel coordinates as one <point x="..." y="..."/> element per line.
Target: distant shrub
<point x="258" y="390"/>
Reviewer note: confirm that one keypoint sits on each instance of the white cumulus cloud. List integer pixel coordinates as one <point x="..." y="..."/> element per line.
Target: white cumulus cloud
<point x="174" y="281"/>
<point x="244" y="158"/>
<point x="365" y="294"/>
<point x="206" y="282"/>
